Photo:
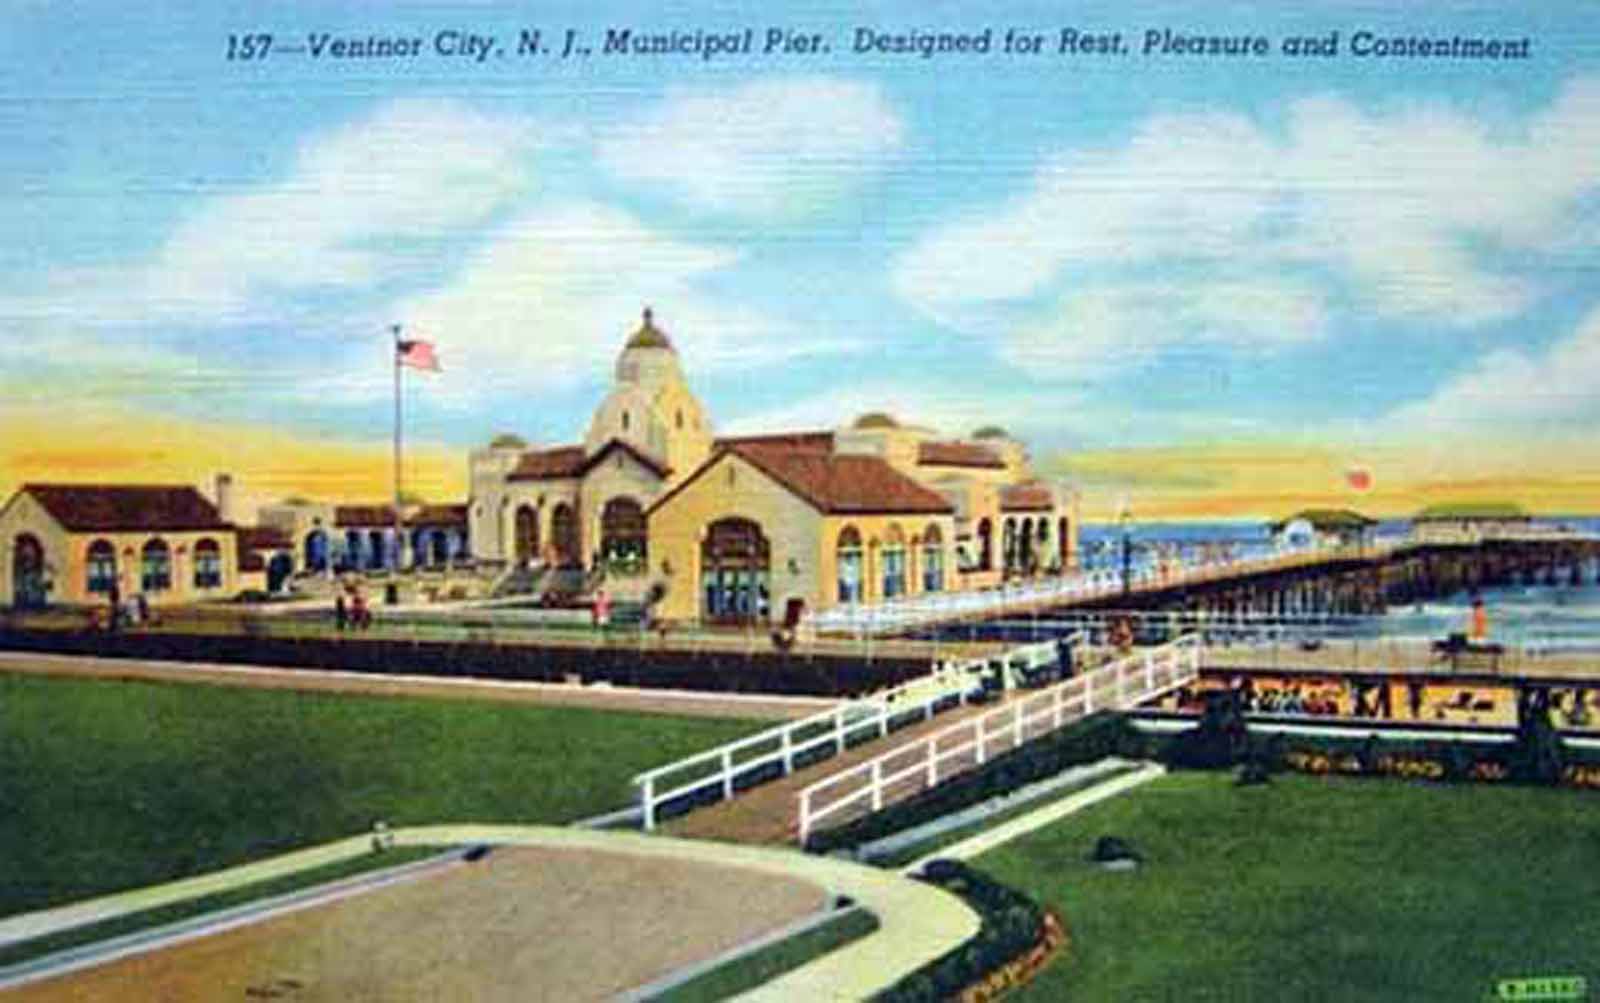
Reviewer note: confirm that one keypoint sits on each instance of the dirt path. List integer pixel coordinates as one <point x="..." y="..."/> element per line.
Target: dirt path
<point x="522" y="924"/>
<point x="682" y="702"/>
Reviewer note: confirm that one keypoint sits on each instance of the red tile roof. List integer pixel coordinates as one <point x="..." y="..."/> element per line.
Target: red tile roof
<point x="570" y="461"/>
<point x="811" y="442"/>
<point x="957" y="454"/>
<point x="363" y="515"/>
<point x="548" y="464"/>
<point x="844" y="484"/>
<point x="262" y="538"/>
<point x="109" y="508"/>
<point x="1029" y="497"/>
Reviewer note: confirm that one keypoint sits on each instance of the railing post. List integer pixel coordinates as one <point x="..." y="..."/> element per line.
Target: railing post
<point x="1016" y="724"/>
<point x="788" y="751"/>
<point x="1060" y="704"/>
<point x="727" y="774"/>
<point x="838" y="731"/>
<point x="805" y="816"/>
<point x="877" y="784"/>
<point x="649" y="799"/>
<point x="978" y="725"/>
<point x="933" y="763"/>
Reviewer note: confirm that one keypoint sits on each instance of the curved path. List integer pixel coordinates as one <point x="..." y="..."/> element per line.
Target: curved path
<point x="917" y="922"/>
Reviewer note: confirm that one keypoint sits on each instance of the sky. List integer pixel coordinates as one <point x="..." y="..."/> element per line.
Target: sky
<point x="1196" y="285"/>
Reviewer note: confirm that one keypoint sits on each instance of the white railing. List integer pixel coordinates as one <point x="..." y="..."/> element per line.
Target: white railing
<point x="921" y="765"/>
<point x="930" y="608"/>
<point x="835" y="727"/>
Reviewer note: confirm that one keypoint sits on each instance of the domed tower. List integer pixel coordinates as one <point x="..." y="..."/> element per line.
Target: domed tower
<point x="650" y="406"/>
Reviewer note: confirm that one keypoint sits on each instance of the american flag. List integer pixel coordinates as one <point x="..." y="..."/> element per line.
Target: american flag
<point x="417" y="354"/>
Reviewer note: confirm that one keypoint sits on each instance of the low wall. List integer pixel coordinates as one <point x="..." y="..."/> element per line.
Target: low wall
<point x="780" y="673"/>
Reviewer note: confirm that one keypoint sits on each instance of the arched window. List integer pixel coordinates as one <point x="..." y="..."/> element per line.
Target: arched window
<point x="1061" y="540"/>
<point x="1008" y="545"/>
<point x="848" y="553"/>
<point x="316" y="550"/>
<point x="623" y="538"/>
<point x="985" y="545"/>
<point x="101" y="566"/>
<point x="1025" y="546"/>
<point x="155" y="566"/>
<point x="735" y="572"/>
<point x="207" y="564"/>
<point x="932" y="559"/>
<point x="527" y="534"/>
<point x="894" y="563"/>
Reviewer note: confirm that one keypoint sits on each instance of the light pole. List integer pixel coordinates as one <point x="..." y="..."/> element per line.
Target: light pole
<point x="1127" y="552"/>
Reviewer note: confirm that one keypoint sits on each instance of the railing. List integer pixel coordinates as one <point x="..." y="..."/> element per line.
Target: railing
<point x="923" y="764"/>
<point x="873" y="715"/>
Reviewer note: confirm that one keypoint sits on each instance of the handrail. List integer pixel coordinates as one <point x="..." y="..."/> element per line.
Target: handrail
<point x="1127" y="681"/>
<point x="921" y="695"/>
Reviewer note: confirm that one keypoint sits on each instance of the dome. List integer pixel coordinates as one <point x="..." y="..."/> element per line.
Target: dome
<point x="648" y="335"/>
<point x="991" y="432"/>
<point x="876" y="419"/>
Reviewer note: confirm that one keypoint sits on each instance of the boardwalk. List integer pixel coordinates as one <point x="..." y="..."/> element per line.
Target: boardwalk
<point x="766" y="814"/>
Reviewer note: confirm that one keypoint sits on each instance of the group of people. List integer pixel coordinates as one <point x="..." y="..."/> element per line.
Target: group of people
<point x="352" y="613"/>
<point x="129" y="612"/>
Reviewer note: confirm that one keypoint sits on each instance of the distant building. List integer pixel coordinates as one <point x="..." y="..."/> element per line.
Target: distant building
<point x="74" y="543"/>
<point x="332" y="538"/>
<point x="732" y="528"/>
<point x="1469" y="522"/>
<point x="1324" y="527"/>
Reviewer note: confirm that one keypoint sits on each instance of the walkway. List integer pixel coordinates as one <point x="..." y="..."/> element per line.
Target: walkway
<point x="917" y="922"/>
<point x="766" y="814"/>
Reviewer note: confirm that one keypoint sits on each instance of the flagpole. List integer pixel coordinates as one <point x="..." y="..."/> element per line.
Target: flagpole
<point x="399" y="539"/>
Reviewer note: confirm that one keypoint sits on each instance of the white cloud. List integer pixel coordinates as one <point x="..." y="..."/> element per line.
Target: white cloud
<point x="551" y="298"/>
<point x="1509" y="392"/>
<point x="1411" y="213"/>
<point x="771" y="149"/>
<point x="1110" y="328"/>
<point x="344" y="218"/>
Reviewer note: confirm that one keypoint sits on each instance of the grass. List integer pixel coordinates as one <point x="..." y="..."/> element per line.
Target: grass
<point x="109" y="785"/>
<point x="178" y="911"/>
<point x="1317" y="889"/>
<point x="762" y="966"/>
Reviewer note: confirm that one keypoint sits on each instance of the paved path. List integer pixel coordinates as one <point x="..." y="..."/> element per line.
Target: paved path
<point x="766" y="814"/>
<point x="917" y="922"/>
<point x="691" y="703"/>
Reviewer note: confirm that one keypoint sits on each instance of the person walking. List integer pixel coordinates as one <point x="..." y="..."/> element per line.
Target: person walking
<point x="341" y="616"/>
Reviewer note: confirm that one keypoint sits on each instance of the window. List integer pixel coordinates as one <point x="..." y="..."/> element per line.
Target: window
<point x="894" y="563"/>
<point x="932" y="560"/>
<point x="207" y="564"/>
<point x="155" y="567"/>
<point x="849" y="560"/>
<point x="102" y="566"/>
<point x="624" y="421"/>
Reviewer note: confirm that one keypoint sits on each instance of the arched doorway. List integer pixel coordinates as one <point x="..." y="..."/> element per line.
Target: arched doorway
<point x="526" y="539"/>
<point x="27" y="572"/>
<point x="735" y="572"/>
<point x="377" y="549"/>
<point x="155" y="566"/>
<point x="316" y="550"/>
<point x="100" y="567"/>
<point x="278" y="571"/>
<point x="441" y="549"/>
<point x="1025" y="547"/>
<point x="623" y="540"/>
<point x="985" y="545"/>
<point x="564" y="535"/>
<point x="1061" y="541"/>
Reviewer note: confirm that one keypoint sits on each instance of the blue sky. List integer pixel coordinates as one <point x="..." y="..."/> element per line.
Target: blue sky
<point x="1099" y="252"/>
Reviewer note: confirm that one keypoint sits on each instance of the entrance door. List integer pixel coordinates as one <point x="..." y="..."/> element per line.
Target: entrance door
<point x="27" y="572"/>
<point x="735" y="573"/>
<point x="564" y="536"/>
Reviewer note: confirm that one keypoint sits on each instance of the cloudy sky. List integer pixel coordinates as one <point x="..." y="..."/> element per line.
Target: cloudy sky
<point x="1212" y="286"/>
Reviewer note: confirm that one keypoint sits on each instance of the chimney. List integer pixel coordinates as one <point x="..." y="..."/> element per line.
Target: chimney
<point x="224" y="497"/>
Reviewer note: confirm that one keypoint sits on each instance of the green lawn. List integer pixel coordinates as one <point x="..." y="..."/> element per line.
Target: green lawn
<point x="1317" y="889"/>
<point x="112" y="785"/>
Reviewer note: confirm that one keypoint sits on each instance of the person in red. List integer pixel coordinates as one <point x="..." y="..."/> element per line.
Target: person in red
<point x="1480" y="620"/>
<point x="602" y="608"/>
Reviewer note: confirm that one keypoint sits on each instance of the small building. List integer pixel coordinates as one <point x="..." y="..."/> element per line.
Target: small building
<point x="75" y="543"/>
<point x="1470" y="522"/>
<point x="1323" y="527"/>
<point x="325" y="537"/>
